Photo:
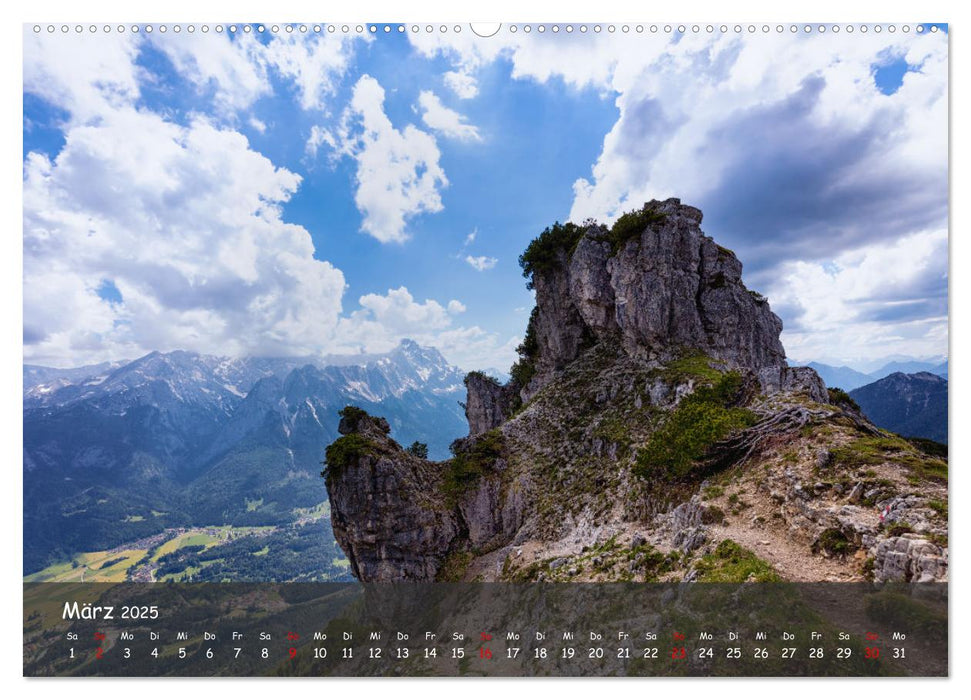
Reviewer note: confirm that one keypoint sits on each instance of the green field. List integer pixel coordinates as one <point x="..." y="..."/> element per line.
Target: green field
<point x="188" y="539"/>
<point x="91" y="565"/>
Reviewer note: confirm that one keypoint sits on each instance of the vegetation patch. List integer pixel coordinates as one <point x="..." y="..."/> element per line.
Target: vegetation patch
<point x="345" y="450"/>
<point x="898" y="529"/>
<point x="630" y="226"/>
<point x="838" y="397"/>
<point x="468" y="465"/>
<point x="696" y="366"/>
<point x="869" y="568"/>
<point x="545" y="252"/>
<point x="939" y="507"/>
<point x="476" y="374"/>
<point x="717" y="281"/>
<point x="418" y="449"/>
<point x="929" y="447"/>
<point x="733" y="563"/>
<point x="833" y="542"/>
<point x="525" y="367"/>
<point x="454" y="566"/>
<point x="111" y="562"/>
<point x="713" y="515"/>
<point x="353" y="414"/>
<point x="700" y="420"/>
<point x="878" y="449"/>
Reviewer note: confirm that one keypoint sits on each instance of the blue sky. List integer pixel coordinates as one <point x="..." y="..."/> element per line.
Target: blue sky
<point x="304" y="193"/>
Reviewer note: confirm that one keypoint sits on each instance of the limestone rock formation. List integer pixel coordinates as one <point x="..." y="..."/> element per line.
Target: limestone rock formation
<point x="651" y="430"/>
<point x="668" y="288"/>
<point x="385" y="510"/>
<point x="489" y="403"/>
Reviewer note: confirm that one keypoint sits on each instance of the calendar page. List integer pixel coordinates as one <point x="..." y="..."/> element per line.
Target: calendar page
<point x="522" y="349"/>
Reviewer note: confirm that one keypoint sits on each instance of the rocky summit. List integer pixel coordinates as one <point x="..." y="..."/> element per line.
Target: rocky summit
<point x="651" y="431"/>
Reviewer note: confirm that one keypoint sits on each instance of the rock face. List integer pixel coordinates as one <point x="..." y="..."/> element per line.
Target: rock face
<point x="388" y="532"/>
<point x="488" y="404"/>
<point x="672" y="287"/>
<point x="399" y="517"/>
<point x="909" y="558"/>
<point x="648" y="372"/>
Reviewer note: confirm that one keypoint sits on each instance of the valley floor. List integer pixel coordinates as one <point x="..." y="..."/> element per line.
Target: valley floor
<point x="193" y="553"/>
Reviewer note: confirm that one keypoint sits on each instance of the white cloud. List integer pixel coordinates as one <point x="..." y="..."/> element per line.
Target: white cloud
<point x="257" y="124"/>
<point x="462" y="84"/>
<point x="237" y="69"/>
<point x="581" y="60"/>
<point x="385" y="319"/>
<point x="398" y="310"/>
<point x="481" y="262"/>
<point x="314" y="62"/>
<point x="398" y="171"/>
<point x="474" y="348"/>
<point x="446" y="121"/>
<point x="811" y="133"/>
<point x="318" y="137"/>
<point x="206" y="263"/>
<point x="889" y="297"/>
<point x="202" y="263"/>
<point x="691" y="110"/>
<point x="233" y="70"/>
<point x="81" y="73"/>
<point x="470" y="239"/>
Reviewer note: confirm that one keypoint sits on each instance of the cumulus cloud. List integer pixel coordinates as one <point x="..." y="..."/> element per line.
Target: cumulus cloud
<point x="313" y="62"/>
<point x="398" y="172"/>
<point x="200" y="262"/>
<point x="181" y="223"/>
<point x="462" y="84"/>
<point x="59" y="69"/>
<point x="481" y="262"/>
<point x="235" y="69"/>
<point x="805" y="151"/>
<point x="798" y="156"/>
<point x="446" y="121"/>
<point x="318" y="137"/>
<point x="891" y="297"/>
<point x="385" y="319"/>
<point x="144" y="234"/>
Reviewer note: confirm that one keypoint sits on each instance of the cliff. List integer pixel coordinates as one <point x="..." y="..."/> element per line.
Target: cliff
<point x="651" y="431"/>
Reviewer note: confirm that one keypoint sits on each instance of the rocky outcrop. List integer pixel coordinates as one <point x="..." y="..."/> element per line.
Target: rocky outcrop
<point x="909" y="558"/>
<point x="385" y="510"/>
<point x="488" y="402"/>
<point x="652" y="405"/>
<point x="399" y="517"/>
<point x="669" y="288"/>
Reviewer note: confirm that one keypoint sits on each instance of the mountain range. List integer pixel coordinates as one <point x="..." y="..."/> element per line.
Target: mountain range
<point x="914" y="405"/>
<point x="119" y="451"/>
<point x="848" y="378"/>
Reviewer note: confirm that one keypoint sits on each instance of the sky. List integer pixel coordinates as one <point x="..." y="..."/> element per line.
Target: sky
<point x="293" y="193"/>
